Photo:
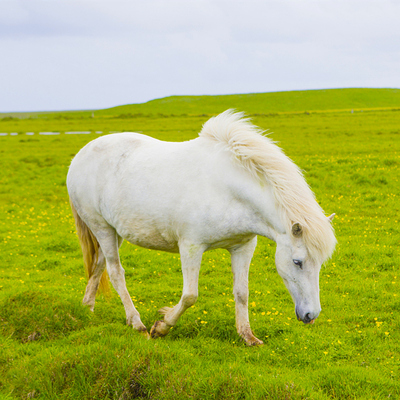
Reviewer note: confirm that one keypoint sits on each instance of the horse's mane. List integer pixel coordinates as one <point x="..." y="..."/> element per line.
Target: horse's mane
<point x="264" y="160"/>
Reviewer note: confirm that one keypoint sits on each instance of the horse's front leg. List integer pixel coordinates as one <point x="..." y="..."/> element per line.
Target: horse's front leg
<point x="241" y="258"/>
<point x="191" y="260"/>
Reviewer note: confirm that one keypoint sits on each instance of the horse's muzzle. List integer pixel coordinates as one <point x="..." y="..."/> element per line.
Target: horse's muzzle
<point x="308" y="318"/>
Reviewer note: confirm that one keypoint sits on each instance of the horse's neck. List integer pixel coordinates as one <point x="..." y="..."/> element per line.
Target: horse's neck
<point x="260" y="198"/>
<point x="272" y="226"/>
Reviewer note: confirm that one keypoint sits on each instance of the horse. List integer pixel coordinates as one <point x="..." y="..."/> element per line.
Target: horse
<point x="219" y="190"/>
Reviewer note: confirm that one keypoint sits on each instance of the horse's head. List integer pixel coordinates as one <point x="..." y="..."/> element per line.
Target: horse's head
<point x="300" y="273"/>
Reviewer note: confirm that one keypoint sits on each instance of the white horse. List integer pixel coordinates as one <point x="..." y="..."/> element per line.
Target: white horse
<point x="219" y="190"/>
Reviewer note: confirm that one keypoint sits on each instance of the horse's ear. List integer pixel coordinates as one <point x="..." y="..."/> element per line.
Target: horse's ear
<point x="297" y="230"/>
<point x="330" y="218"/>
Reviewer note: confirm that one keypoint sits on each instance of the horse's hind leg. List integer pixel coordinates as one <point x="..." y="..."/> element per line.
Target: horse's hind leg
<point x="109" y="242"/>
<point x="191" y="260"/>
<point x="241" y="258"/>
<point x="93" y="284"/>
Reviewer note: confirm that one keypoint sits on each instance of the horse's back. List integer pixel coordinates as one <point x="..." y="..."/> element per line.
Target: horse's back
<point x="108" y="149"/>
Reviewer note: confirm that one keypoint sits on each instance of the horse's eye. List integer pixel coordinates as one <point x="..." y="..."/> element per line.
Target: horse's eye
<point x="298" y="263"/>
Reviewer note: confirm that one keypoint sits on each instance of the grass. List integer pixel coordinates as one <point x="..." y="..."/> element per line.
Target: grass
<point x="261" y="103"/>
<point x="51" y="347"/>
<point x="255" y="103"/>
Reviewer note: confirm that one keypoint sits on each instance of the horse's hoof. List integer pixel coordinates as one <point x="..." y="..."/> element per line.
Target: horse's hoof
<point x="142" y="331"/>
<point x="254" y="342"/>
<point x="159" y="329"/>
<point x="145" y="334"/>
<point x="250" y="339"/>
<point x="88" y="305"/>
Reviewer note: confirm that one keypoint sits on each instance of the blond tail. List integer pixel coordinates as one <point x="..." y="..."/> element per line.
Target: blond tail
<point x="90" y="250"/>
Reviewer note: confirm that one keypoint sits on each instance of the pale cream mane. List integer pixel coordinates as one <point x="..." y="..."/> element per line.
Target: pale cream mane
<point x="265" y="160"/>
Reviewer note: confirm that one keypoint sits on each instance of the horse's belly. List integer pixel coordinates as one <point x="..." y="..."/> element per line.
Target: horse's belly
<point x="154" y="243"/>
<point x="149" y="237"/>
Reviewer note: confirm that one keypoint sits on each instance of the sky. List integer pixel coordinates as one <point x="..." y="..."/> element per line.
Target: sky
<point x="92" y="54"/>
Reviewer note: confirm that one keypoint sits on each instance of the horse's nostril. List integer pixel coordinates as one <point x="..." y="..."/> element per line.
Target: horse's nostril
<point x="308" y="318"/>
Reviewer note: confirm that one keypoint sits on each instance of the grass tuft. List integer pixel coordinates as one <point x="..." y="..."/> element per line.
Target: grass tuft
<point x="33" y="315"/>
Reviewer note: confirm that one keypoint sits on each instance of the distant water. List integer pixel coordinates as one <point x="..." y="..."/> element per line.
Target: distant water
<point x="51" y="133"/>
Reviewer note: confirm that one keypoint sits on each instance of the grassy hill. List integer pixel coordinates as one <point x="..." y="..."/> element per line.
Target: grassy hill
<point x="254" y="103"/>
<point x="295" y="101"/>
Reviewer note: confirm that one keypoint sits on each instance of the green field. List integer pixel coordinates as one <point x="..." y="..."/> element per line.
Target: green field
<point x="52" y="347"/>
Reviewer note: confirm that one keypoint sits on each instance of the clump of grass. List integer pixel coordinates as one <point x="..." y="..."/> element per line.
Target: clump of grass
<point x="35" y="315"/>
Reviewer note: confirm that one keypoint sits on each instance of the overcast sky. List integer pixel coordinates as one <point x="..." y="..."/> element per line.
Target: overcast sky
<point x="89" y="54"/>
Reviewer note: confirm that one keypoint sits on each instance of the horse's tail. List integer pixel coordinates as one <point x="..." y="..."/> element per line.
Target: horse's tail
<point x="90" y="249"/>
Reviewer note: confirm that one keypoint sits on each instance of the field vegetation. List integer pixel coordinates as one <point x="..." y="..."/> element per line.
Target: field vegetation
<point x="52" y="347"/>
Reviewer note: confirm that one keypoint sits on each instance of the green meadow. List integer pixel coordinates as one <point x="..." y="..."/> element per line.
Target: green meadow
<point x="52" y="347"/>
